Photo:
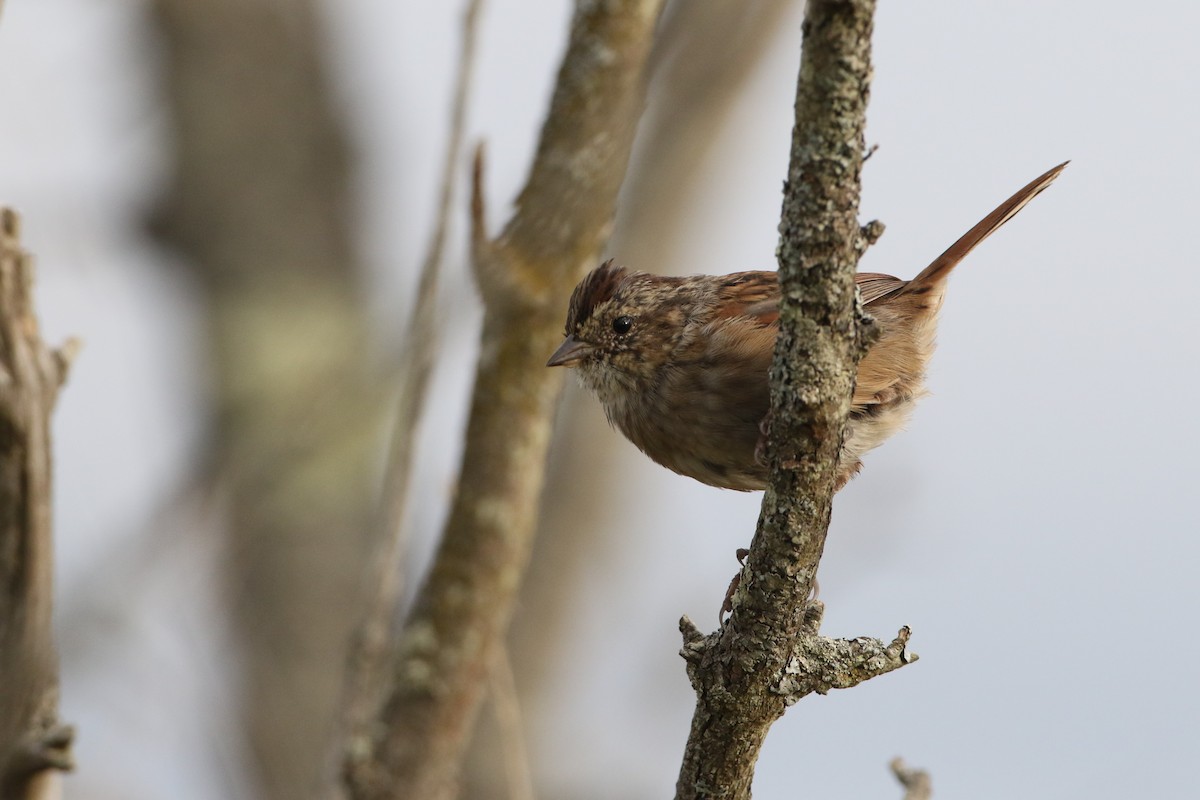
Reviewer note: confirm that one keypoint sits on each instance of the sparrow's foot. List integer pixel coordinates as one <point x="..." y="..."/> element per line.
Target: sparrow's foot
<point x="727" y="604"/>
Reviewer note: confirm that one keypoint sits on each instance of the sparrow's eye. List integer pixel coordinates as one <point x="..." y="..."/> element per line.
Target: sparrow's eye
<point x="622" y="324"/>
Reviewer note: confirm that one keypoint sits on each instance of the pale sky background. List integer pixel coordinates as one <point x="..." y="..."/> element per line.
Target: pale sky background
<point x="1036" y="525"/>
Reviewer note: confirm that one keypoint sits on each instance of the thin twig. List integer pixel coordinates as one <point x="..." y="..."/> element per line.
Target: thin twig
<point x="420" y="340"/>
<point x="415" y="359"/>
<point x="512" y="735"/>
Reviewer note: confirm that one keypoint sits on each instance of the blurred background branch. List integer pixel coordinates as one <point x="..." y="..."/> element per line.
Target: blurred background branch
<point x="916" y="782"/>
<point x="563" y="217"/>
<point x="258" y="205"/>
<point x="418" y="349"/>
<point x="34" y="744"/>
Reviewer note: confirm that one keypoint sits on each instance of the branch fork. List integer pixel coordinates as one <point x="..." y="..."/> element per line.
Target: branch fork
<point x="816" y="663"/>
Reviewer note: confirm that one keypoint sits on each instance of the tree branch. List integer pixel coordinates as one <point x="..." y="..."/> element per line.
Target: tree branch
<point x="32" y="740"/>
<point x="525" y="276"/>
<point x="257" y="204"/>
<point x="769" y="654"/>
<point x="916" y="782"/>
<point x="507" y="707"/>
<point x="418" y="348"/>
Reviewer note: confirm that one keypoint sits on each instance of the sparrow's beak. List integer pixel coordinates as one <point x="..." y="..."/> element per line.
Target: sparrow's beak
<point x="569" y="353"/>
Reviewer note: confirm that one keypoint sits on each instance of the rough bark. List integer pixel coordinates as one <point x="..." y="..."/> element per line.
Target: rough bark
<point x="257" y="204"/>
<point x="769" y="653"/>
<point x="34" y="744"/>
<point x="562" y="219"/>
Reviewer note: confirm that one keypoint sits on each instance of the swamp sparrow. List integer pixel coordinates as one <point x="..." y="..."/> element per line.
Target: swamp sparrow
<point x="680" y="364"/>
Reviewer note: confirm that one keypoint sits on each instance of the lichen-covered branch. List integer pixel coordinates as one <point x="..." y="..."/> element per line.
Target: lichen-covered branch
<point x="769" y="653"/>
<point x="33" y="742"/>
<point x="819" y="663"/>
<point x="563" y="216"/>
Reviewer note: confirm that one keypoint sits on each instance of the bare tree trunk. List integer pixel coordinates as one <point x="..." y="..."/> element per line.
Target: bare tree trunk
<point x="450" y="641"/>
<point x="34" y="744"/>
<point x="769" y="654"/>
<point x="259" y="206"/>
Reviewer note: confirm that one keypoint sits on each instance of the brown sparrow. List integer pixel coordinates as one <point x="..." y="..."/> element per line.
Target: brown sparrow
<point x="680" y="364"/>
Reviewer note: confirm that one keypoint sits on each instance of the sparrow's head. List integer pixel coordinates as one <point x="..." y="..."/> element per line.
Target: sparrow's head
<point x="621" y="327"/>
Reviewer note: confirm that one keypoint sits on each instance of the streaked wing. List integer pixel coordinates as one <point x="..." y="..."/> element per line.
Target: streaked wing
<point x="756" y="295"/>
<point x="750" y="294"/>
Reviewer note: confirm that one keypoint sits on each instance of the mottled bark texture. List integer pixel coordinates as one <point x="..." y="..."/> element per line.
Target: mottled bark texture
<point x="525" y="276"/>
<point x="257" y="205"/>
<point x="769" y="654"/>
<point x="34" y="744"/>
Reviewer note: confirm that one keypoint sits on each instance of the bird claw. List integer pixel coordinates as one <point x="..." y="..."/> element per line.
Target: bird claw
<point x="760" y="449"/>
<point x="727" y="603"/>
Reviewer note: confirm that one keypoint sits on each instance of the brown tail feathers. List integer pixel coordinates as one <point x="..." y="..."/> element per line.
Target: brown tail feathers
<point x="941" y="266"/>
